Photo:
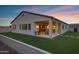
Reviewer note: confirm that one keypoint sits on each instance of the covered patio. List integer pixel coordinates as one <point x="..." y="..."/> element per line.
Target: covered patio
<point x="49" y="28"/>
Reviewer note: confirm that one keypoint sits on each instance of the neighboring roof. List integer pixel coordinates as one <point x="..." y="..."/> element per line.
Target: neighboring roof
<point x="36" y="14"/>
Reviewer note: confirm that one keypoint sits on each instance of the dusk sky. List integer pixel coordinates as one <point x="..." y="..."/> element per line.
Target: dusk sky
<point x="68" y="14"/>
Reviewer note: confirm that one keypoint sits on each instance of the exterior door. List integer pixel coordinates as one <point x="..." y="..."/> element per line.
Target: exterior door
<point x="75" y="29"/>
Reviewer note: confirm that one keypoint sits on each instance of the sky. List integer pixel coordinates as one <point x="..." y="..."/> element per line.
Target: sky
<point x="66" y="13"/>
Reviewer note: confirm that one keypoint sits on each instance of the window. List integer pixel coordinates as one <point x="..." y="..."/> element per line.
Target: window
<point x="14" y="26"/>
<point x="29" y="26"/>
<point x="54" y="26"/>
<point x="24" y="26"/>
<point x="62" y="26"/>
<point x="65" y="27"/>
<point x="20" y="27"/>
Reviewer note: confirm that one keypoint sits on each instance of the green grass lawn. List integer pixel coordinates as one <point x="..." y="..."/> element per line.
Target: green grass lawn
<point x="58" y="45"/>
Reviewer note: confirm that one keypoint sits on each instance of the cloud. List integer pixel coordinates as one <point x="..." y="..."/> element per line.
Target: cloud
<point x="31" y="9"/>
<point x="28" y="9"/>
<point x="64" y="9"/>
<point x="68" y="14"/>
<point x="37" y="9"/>
<point x="5" y="21"/>
<point x="70" y="19"/>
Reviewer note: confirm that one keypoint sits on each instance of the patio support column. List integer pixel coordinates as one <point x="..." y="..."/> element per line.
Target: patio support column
<point x="61" y="30"/>
<point x="17" y="27"/>
<point x="33" y="28"/>
<point x="50" y="27"/>
<point x="56" y="27"/>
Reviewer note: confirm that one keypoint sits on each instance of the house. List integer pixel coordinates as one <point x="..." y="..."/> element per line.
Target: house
<point x="38" y="25"/>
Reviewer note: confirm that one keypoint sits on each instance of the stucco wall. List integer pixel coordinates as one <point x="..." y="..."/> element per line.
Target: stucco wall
<point x="27" y="19"/>
<point x="72" y="26"/>
<point x="31" y="19"/>
<point x="65" y="29"/>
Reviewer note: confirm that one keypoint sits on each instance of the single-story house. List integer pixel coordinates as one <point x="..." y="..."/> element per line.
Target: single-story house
<point x="38" y="25"/>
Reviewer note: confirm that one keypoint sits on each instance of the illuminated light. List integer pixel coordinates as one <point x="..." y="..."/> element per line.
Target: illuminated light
<point x="37" y="26"/>
<point x="48" y="26"/>
<point x="54" y="27"/>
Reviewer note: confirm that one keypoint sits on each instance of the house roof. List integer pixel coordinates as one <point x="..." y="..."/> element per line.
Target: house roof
<point x="38" y="15"/>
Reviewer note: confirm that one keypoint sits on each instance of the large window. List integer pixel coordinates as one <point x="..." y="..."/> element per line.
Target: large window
<point x="29" y="26"/>
<point x="24" y="27"/>
<point x="54" y="26"/>
<point x="62" y="26"/>
<point x="20" y="27"/>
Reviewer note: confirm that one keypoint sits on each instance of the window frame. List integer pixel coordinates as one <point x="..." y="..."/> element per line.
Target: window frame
<point x="29" y="26"/>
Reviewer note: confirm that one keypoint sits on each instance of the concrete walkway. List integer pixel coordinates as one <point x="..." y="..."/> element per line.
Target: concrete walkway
<point x="4" y="49"/>
<point x="27" y="50"/>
